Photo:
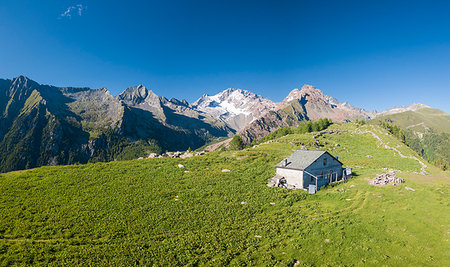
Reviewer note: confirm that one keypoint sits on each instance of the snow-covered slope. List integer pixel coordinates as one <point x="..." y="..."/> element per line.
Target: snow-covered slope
<point x="236" y="107"/>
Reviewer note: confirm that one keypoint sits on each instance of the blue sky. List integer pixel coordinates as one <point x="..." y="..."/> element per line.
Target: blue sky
<point x="373" y="54"/>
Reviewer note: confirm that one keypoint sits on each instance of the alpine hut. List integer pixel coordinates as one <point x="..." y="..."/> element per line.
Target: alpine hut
<point x="307" y="167"/>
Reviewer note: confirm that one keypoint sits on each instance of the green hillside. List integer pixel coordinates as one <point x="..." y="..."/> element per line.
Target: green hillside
<point x="421" y="120"/>
<point x="427" y="132"/>
<point x="151" y="212"/>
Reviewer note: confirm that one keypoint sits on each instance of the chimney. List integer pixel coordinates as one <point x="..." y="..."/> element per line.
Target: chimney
<point x="285" y="162"/>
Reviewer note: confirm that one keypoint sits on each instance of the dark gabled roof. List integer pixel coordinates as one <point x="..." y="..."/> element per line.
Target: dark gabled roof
<point x="301" y="159"/>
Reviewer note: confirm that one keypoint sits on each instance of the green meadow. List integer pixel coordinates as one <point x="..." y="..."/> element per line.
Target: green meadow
<point x="151" y="212"/>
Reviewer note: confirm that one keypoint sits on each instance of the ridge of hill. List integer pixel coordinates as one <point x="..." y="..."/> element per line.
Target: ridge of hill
<point x="419" y="118"/>
<point x="152" y="212"/>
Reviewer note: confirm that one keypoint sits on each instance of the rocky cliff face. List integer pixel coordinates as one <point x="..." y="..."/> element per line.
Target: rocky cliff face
<point x="36" y="130"/>
<point x="235" y="107"/>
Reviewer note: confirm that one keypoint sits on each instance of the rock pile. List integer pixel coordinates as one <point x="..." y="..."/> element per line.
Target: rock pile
<point x="279" y="181"/>
<point x="177" y="154"/>
<point x="386" y="178"/>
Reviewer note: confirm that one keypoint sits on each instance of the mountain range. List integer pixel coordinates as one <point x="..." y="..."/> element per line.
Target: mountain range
<point x="48" y="125"/>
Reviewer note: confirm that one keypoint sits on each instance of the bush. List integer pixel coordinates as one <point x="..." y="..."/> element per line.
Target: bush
<point x="237" y="143"/>
<point x="305" y="127"/>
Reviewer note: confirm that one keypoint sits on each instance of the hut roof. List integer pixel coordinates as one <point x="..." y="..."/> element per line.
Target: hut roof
<point x="301" y="159"/>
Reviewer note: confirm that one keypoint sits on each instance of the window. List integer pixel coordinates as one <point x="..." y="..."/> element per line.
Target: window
<point x="324" y="161"/>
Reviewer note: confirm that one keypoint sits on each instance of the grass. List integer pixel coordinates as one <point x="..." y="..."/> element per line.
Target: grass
<point x="152" y="212"/>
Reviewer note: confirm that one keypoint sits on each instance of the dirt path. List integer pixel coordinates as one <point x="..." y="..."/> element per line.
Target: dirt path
<point x="424" y="166"/>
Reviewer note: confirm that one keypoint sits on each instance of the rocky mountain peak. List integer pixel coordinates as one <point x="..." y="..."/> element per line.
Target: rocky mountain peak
<point x="137" y="95"/>
<point x="21" y="87"/>
<point x="20" y="78"/>
<point x="307" y="91"/>
<point x="22" y="81"/>
<point x="308" y="87"/>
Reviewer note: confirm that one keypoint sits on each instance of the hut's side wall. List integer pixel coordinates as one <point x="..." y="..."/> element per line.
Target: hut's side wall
<point x="293" y="177"/>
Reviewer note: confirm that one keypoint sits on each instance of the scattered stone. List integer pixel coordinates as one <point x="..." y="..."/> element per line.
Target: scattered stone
<point x="140" y="158"/>
<point x="409" y="189"/>
<point x="272" y="203"/>
<point x="225" y="170"/>
<point x="278" y="181"/>
<point x="337" y="145"/>
<point x="368" y="156"/>
<point x="186" y="155"/>
<point x="348" y="199"/>
<point x="352" y="185"/>
<point x="386" y="178"/>
<point x="244" y="203"/>
<point x="180" y="166"/>
<point x="258" y="236"/>
<point x="327" y="240"/>
<point x="296" y="263"/>
<point x="176" y="154"/>
<point x="186" y="171"/>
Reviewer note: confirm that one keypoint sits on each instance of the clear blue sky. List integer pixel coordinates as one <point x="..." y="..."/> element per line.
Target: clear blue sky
<point x="374" y="54"/>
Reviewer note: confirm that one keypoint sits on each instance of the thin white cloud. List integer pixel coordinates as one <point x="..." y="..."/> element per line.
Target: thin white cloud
<point x="73" y="11"/>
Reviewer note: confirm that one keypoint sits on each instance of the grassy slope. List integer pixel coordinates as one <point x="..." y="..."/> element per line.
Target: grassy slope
<point x="151" y="211"/>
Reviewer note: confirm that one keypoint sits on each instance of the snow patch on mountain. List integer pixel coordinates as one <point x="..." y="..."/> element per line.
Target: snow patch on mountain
<point x="236" y="107"/>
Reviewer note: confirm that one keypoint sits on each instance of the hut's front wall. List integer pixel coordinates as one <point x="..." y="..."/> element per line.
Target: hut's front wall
<point x="321" y="170"/>
<point x="292" y="176"/>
